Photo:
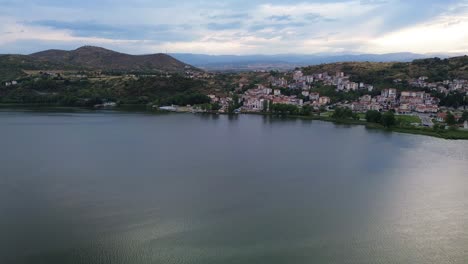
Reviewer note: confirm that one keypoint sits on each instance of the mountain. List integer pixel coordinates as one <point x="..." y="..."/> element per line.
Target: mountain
<point x="103" y="59"/>
<point x="290" y="61"/>
<point x="87" y="58"/>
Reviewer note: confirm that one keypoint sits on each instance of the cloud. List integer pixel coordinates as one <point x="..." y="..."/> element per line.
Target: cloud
<point x="447" y="33"/>
<point x="159" y="32"/>
<point x="281" y="18"/>
<point x="315" y="17"/>
<point x="374" y="2"/>
<point x="227" y="16"/>
<point x="224" y="26"/>
<point x="235" y="26"/>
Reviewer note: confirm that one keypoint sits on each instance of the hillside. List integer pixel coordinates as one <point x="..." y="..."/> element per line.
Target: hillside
<point x="12" y="66"/>
<point x="385" y="72"/>
<point x="103" y="59"/>
<point x="87" y="58"/>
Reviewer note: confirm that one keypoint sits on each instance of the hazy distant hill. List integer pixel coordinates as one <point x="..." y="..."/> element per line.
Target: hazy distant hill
<point x="87" y="58"/>
<point x="288" y="61"/>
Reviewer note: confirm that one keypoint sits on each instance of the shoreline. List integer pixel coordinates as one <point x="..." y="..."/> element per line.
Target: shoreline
<point x="443" y="134"/>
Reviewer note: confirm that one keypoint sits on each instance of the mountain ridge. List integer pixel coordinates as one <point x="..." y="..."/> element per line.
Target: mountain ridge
<point x="88" y="58"/>
<point x="93" y="57"/>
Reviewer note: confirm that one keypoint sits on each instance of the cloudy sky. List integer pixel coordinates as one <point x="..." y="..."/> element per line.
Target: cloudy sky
<point x="236" y="26"/>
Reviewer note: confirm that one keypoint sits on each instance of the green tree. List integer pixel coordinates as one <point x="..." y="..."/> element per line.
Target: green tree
<point x="231" y="107"/>
<point x="215" y="106"/>
<point x="284" y="109"/>
<point x="322" y="109"/>
<point x="265" y="106"/>
<point x="464" y="117"/>
<point x="388" y="119"/>
<point x="373" y="116"/>
<point x="306" y="110"/>
<point x="438" y="128"/>
<point x="344" y="113"/>
<point x="450" y="119"/>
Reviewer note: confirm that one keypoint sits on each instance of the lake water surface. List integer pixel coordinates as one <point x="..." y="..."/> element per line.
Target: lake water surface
<point x="113" y="187"/>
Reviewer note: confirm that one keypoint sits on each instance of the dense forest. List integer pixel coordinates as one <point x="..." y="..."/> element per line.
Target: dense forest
<point x="160" y="90"/>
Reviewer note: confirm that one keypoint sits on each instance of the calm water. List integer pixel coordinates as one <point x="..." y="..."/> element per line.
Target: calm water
<point x="113" y="187"/>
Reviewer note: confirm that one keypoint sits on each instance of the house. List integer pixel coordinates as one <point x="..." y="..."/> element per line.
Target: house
<point x="309" y="78"/>
<point x="277" y="92"/>
<point x="404" y="109"/>
<point x="314" y="96"/>
<point x="267" y="91"/>
<point x="365" y="98"/>
<point x="298" y="75"/>
<point x="305" y="93"/>
<point x="213" y="98"/>
<point x="441" y="117"/>
<point x="352" y="86"/>
<point x="254" y="104"/>
<point x="465" y="125"/>
<point x="389" y="93"/>
<point x="324" y="100"/>
<point x="359" y="107"/>
<point x="375" y="107"/>
<point x="296" y="101"/>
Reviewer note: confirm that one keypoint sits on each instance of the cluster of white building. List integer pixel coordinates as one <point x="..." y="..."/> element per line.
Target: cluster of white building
<point x="341" y="81"/>
<point x="405" y="102"/>
<point x="389" y="99"/>
<point x="456" y="85"/>
<point x="255" y="100"/>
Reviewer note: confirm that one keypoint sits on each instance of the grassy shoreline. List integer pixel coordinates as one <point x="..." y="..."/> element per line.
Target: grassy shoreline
<point x="444" y="134"/>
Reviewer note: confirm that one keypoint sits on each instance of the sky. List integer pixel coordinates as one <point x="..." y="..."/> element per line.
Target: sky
<point x="237" y="27"/>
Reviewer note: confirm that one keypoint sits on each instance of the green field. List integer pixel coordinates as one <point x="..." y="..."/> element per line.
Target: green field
<point x="408" y="119"/>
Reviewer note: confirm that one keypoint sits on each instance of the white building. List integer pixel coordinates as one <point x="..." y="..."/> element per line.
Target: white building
<point x="314" y="96"/>
<point x="298" y="75"/>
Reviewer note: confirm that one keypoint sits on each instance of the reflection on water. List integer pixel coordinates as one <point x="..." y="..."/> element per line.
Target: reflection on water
<point x="135" y="188"/>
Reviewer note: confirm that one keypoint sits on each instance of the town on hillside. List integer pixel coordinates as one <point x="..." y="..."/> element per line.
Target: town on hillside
<point x="300" y="90"/>
<point x="303" y="91"/>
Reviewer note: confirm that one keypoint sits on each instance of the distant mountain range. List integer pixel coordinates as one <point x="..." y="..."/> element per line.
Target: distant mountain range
<point x="288" y="61"/>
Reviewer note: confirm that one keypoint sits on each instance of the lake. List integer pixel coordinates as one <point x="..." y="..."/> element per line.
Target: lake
<point x="115" y="187"/>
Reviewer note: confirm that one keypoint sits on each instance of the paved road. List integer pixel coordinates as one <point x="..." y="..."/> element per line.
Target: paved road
<point x="426" y="120"/>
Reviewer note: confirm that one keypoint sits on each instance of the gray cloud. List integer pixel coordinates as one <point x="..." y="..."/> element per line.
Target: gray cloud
<point x="315" y="17"/>
<point x="224" y="26"/>
<point x="281" y="18"/>
<point x="287" y="23"/>
<point x="161" y="32"/>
